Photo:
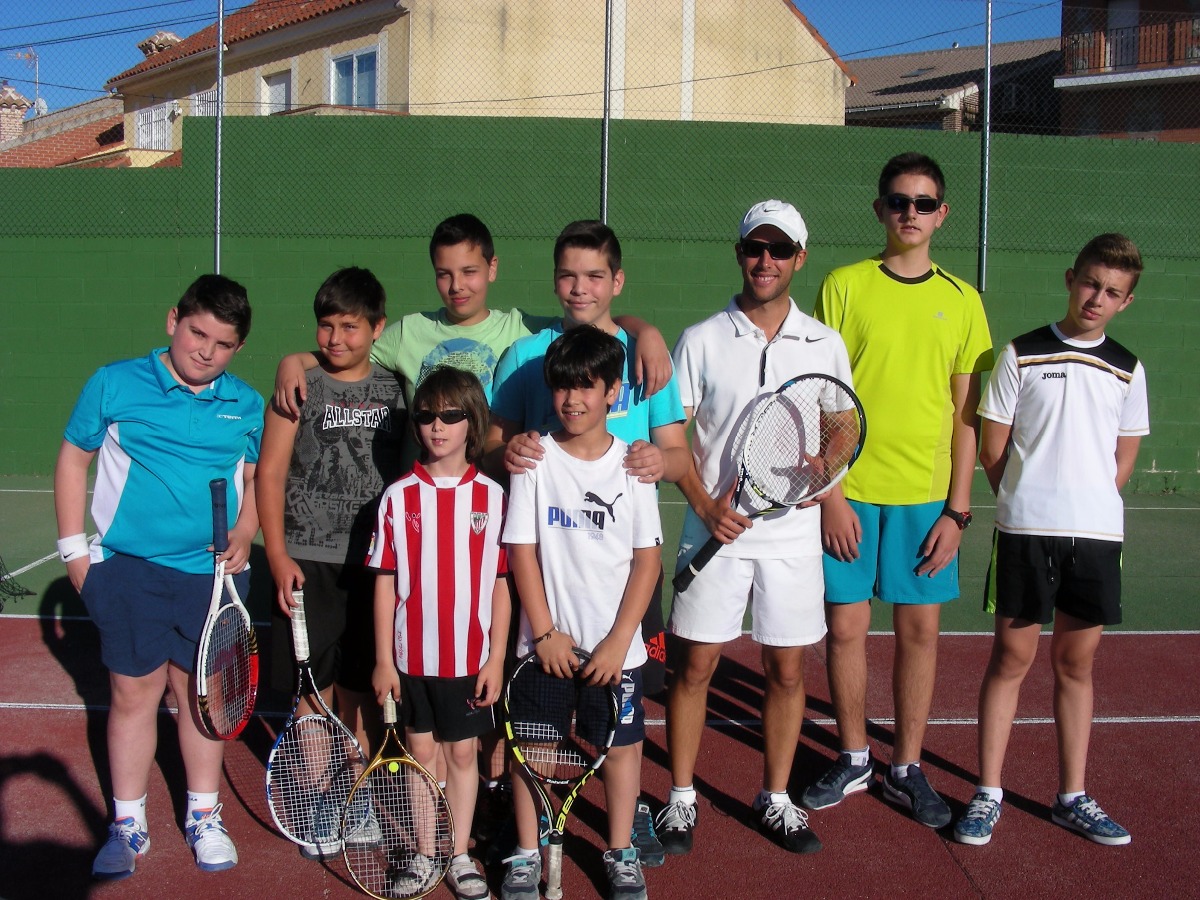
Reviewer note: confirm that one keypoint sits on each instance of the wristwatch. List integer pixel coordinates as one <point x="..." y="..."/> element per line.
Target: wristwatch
<point x="961" y="519"/>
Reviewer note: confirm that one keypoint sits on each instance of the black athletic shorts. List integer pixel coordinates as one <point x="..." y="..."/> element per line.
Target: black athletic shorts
<point x="1032" y="575"/>
<point x="339" y="605"/>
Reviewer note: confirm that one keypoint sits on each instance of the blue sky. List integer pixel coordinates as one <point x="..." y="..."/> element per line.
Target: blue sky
<point x="82" y="43"/>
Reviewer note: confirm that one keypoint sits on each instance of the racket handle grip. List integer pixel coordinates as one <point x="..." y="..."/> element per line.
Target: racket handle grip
<point x="218" y="487"/>
<point x="554" y="854"/>
<point x="389" y="710"/>
<point x="300" y="628"/>
<point x="689" y="572"/>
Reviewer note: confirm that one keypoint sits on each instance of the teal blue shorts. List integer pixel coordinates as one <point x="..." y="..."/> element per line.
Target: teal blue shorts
<point x="888" y="558"/>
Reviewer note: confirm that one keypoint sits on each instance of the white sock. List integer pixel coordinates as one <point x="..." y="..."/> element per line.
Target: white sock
<point x="200" y="802"/>
<point x="996" y="794"/>
<point x="900" y="770"/>
<point x="131" y="809"/>
<point x="528" y="854"/>
<point x="767" y="798"/>
<point x="460" y="858"/>
<point x="685" y="795"/>
<point x="1068" y="800"/>
<point x="859" y="757"/>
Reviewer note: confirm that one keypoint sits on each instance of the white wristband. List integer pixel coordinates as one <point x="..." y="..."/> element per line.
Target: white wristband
<point x="73" y="547"/>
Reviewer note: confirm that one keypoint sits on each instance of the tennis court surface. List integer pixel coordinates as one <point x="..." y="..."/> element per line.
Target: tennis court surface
<point x="1144" y="765"/>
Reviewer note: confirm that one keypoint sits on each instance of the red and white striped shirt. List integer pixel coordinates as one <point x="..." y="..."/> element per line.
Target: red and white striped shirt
<point x="443" y="542"/>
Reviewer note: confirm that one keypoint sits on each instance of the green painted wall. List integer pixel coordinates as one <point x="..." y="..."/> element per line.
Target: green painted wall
<point x="90" y="260"/>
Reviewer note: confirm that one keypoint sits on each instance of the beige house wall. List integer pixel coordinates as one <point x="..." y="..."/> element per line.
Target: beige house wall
<point x="746" y="60"/>
<point x="507" y="57"/>
<point x="783" y="73"/>
<point x="715" y="60"/>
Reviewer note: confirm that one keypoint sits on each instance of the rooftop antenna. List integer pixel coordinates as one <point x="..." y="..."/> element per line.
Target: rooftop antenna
<point x="31" y="60"/>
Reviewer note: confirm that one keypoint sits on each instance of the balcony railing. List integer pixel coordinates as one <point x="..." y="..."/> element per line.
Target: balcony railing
<point x="1174" y="42"/>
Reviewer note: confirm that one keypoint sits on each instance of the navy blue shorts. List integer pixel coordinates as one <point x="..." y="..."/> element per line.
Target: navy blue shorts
<point x="148" y="614"/>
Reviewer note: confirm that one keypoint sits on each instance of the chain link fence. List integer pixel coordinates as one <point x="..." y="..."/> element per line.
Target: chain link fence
<point x="713" y="98"/>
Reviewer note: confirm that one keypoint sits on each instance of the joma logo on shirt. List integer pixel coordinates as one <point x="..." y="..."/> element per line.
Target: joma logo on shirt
<point x="379" y="418"/>
<point x="1046" y="375"/>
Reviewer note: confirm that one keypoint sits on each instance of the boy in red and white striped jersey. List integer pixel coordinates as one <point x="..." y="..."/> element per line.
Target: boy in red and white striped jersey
<point x="442" y="605"/>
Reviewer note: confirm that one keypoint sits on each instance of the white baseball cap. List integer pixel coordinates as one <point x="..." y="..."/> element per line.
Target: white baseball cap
<point x="782" y="215"/>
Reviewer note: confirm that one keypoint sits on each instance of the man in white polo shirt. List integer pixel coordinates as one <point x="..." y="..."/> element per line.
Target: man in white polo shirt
<point x="723" y="365"/>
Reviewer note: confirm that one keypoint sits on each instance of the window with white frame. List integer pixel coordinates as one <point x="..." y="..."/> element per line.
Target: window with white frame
<point x="353" y="78"/>
<point x="204" y="103"/>
<point x="152" y="126"/>
<point x="276" y="93"/>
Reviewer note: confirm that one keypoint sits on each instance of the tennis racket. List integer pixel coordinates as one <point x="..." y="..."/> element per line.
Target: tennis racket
<point x="797" y="443"/>
<point x="227" y="655"/>
<point x="413" y="822"/>
<point x="559" y="730"/>
<point x="314" y="763"/>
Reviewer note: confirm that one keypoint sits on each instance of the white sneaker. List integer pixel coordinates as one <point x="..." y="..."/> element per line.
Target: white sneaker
<point x="118" y="857"/>
<point x="465" y="881"/>
<point x="209" y="840"/>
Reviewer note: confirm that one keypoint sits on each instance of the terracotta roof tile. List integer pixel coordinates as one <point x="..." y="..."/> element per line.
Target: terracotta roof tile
<point x="256" y="19"/>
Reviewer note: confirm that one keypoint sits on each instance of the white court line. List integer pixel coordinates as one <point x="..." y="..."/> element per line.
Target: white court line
<point x="987" y="634"/>
<point x="710" y="723"/>
<point x="32" y="565"/>
<point x="1027" y="720"/>
<point x="44" y="559"/>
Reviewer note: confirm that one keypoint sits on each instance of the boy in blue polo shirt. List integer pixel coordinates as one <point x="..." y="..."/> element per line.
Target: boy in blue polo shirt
<point x="162" y="426"/>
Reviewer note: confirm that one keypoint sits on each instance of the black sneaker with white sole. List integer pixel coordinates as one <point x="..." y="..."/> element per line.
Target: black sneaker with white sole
<point x="787" y="825"/>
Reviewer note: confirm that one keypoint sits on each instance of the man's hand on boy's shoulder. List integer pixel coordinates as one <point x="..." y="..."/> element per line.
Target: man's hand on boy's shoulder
<point x="291" y="385"/>
<point x="523" y="452"/>
<point x="645" y="461"/>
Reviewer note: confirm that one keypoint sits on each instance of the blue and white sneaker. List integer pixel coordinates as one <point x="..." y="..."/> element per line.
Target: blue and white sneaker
<point x="840" y="780"/>
<point x="914" y="793"/>
<point x="1086" y="817"/>
<point x="206" y="835"/>
<point x="118" y="857"/>
<point x="976" y="825"/>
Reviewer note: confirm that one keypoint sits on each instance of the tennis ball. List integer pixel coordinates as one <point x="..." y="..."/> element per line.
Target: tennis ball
<point x="393" y="767"/>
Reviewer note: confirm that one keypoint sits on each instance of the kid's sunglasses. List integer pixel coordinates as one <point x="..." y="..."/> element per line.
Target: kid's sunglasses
<point x="778" y="249"/>
<point x="448" y="416"/>
<point x="900" y="203"/>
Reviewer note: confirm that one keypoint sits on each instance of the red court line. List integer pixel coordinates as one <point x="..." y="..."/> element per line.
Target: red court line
<point x="52" y="812"/>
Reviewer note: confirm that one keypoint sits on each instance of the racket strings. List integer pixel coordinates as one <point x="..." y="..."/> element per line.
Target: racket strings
<point x="561" y="726"/>
<point x="399" y="835"/>
<point x="230" y="671"/>
<point x="802" y="440"/>
<point x="311" y="772"/>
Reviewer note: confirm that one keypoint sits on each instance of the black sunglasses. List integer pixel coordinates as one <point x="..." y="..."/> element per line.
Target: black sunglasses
<point x="448" y="416"/>
<point x="778" y="249"/>
<point x="900" y="203"/>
